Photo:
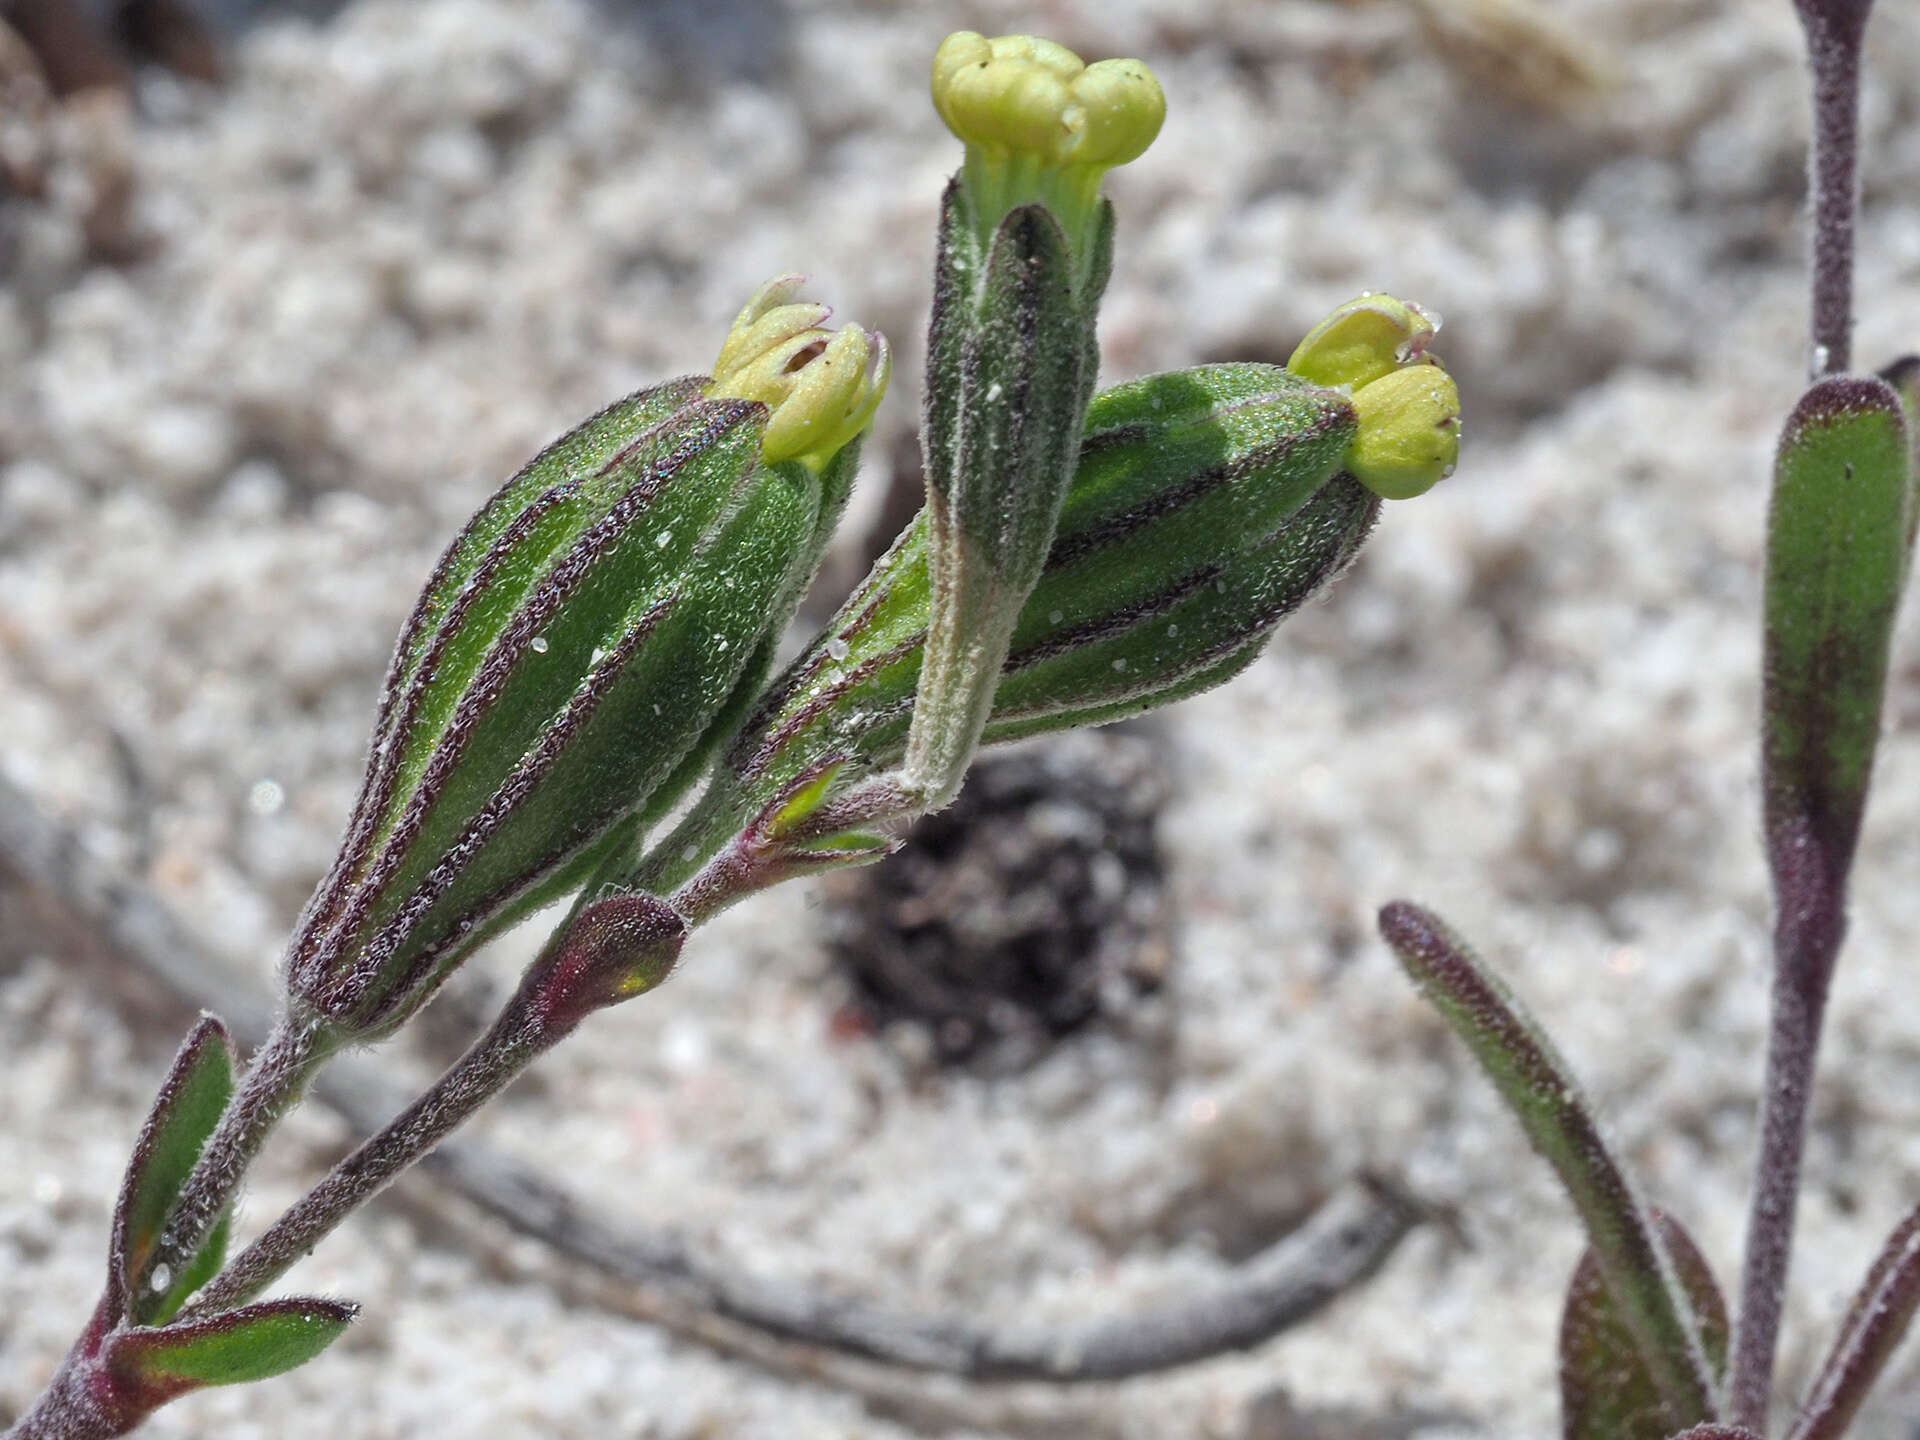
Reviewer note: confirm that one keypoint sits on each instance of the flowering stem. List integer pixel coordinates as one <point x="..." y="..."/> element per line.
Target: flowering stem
<point x="1807" y="937"/>
<point x="515" y="1040"/>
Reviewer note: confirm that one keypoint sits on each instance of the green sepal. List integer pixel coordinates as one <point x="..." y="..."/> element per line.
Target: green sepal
<point x="1540" y="1089"/>
<point x="1606" y="1391"/>
<point x="1011" y="363"/>
<point x="1207" y="505"/>
<point x="1839" y="533"/>
<point x="198" y="1088"/>
<point x="574" y="470"/>
<point x="149" y="1367"/>
<point x="544" y="719"/>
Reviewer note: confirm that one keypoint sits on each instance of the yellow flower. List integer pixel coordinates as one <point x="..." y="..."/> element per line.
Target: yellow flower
<point x="1363" y="340"/>
<point x="822" y="386"/>
<point x="1021" y="93"/>
<point x="1376" y="349"/>
<point x="1040" y="126"/>
<point x="1409" y="436"/>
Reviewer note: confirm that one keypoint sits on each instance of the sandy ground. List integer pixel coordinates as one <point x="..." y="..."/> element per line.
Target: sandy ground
<point x="407" y="247"/>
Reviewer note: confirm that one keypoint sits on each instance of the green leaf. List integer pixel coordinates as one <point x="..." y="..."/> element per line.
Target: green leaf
<point x="1540" y="1089"/>
<point x="254" y="1343"/>
<point x="1606" y="1391"/>
<point x="191" y="1101"/>
<point x="1837" y="550"/>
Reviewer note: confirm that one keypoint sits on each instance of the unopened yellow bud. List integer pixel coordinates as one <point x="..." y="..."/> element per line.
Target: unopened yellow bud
<point x="1409" y="436"/>
<point x="1362" y="341"/>
<point x="1040" y="127"/>
<point x="821" y="386"/>
<point x="1019" y="93"/>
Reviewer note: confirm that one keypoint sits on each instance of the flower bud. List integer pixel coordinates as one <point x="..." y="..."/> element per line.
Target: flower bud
<point x="1022" y="93"/>
<point x="579" y="657"/>
<point x="822" y="387"/>
<point x="1039" y="125"/>
<point x="614" y="948"/>
<point x="1026" y="244"/>
<point x="1364" y="340"/>
<point x="1409" y="436"/>
<point x="1377" y="348"/>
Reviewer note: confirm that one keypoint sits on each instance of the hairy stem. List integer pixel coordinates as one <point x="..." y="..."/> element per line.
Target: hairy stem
<point x="516" y="1039"/>
<point x="75" y="1406"/>
<point x="275" y="1079"/>
<point x="1807" y="937"/>
<point x="1834" y="29"/>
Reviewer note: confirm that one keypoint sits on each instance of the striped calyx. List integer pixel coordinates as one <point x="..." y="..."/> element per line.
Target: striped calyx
<point x="1026" y="244"/>
<point x="582" y="649"/>
<point x="1207" y="505"/>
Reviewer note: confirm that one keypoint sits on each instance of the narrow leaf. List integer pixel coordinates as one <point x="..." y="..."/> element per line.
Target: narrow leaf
<point x="1836" y="560"/>
<point x="1539" y="1087"/>
<point x="254" y="1343"/>
<point x="191" y="1101"/>
<point x="1606" y="1391"/>
<point x="1715" y="1432"/>
<point x="1874" y="1327"/>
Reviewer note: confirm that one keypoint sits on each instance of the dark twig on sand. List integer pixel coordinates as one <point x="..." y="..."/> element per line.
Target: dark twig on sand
<point x="101" y="910"/>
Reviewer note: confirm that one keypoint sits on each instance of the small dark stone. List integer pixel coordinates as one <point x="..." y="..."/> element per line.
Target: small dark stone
<point x="1030" y="907"/>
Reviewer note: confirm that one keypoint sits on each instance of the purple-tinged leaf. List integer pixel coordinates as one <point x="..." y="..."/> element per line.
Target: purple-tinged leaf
<point x="1875" y="1324"/>
<point x="1540" y="1089"/>
<point x="1836" y="561"/>
<point x="150" y="1367"/>
<point x="1606" y="1392"/>
<point x="1837" y="551"/>
<point x="191" y="1101"/>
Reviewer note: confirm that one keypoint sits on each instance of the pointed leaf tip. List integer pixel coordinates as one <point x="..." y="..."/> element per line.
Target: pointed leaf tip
<point x="150" y="1367"/>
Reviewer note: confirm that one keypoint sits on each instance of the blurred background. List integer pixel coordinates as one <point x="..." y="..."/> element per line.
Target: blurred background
<point x="287" y="289"/>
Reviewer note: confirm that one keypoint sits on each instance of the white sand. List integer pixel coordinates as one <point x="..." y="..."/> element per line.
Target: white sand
<point x="404" y="250"/>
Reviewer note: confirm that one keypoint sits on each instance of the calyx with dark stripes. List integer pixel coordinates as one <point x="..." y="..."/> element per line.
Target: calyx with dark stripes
<point x="1207" y="505"/>
<point x="580" y="653"/>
